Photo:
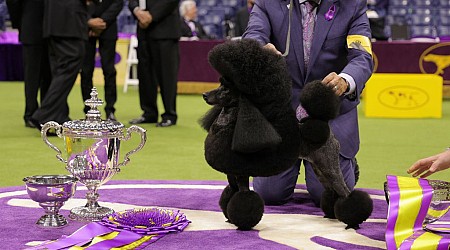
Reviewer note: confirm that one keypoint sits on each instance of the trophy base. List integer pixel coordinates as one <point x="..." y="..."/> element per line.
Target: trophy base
<point x="89" y="214"/>
<point x="52" y="220"/>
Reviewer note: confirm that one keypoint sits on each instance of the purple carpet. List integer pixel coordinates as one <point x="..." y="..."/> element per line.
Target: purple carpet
<point x="296" y="225"/>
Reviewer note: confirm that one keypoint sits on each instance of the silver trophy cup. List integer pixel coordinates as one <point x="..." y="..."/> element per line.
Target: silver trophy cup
<point x="51" y="191"/>
<point x="92" y="149"/>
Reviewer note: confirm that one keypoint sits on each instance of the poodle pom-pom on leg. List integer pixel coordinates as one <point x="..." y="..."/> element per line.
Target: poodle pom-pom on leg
<point x="245" y="209"/>
<point x="354" y="209"/>
<point x="327" y="202"/>
<point x="225" y="198"/>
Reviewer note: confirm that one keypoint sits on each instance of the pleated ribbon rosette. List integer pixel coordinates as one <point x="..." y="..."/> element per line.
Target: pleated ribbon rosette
<point x="415" y="209"/>
<point x="130" y="229"/>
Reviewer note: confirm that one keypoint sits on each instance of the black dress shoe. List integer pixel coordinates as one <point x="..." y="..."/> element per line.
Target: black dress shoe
<point x="29" y="124"/>
<point x="111" y="117"/>
<point x="165" y="123"/>
<point x="142" y="120"/>
<point x="35" y="123"/>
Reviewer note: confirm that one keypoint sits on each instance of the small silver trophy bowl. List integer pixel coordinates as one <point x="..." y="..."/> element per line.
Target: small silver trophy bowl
<point x="92" y="147"/>
<point x="51" y="191"/>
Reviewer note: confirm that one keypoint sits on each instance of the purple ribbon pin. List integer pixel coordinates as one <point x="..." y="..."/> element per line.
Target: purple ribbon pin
<point x="330" y="13"/>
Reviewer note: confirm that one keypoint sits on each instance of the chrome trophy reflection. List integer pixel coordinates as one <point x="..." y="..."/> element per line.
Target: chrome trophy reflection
<point x="92" y="146"/>
<point x="51" y="191"/>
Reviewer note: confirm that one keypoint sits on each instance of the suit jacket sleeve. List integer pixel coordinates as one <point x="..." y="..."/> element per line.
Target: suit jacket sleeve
<point x="111" y="13"/>
<point x="162" y="9"/>
<point x="360" y="62"/>
<point x="132" y="4"/>
<point x="259" y="27"/>
<point x="15" y="12"/>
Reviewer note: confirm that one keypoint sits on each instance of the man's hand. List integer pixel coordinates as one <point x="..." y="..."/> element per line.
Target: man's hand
<point x="338" y="83"/>
<point x="97" y="23"/>
<point x="271" y="47"/>
<point x="144" y="18"/>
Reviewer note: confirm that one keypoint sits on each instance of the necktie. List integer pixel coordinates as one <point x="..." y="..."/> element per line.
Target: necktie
<point x="308" y="30"/>
<point x="192" y="26"/>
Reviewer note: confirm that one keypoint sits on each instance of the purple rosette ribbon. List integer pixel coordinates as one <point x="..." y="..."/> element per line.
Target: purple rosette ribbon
<point x="147" y="221"/>
<point x="131" y="229"/>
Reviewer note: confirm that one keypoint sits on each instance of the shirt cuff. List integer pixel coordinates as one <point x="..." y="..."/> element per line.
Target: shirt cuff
<point x="350" y="81"/>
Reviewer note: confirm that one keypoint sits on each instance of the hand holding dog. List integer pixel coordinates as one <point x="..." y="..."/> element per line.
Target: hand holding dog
<point x="430" y="165"/>
<point x="271" y="47"/>
<point x="338" y="83"/>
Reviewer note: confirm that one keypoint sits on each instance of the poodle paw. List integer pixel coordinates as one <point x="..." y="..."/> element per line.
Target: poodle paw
<point x="354" y="209"/>
<point x="225" y="197"/>
<point x="356" y="227"/>
<point x="245" y="209"/>
<point x="327" y="202"/>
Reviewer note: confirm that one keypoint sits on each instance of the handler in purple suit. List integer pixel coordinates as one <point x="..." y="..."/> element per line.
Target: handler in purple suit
<point x="339" y="54"/>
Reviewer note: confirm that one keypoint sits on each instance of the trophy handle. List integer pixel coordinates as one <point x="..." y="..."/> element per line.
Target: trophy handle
<point x="44" y="130"/>
<point x="127" y="136"/>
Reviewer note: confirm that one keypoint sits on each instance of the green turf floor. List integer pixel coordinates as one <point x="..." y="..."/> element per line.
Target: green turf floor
<point x="388" y="146"/>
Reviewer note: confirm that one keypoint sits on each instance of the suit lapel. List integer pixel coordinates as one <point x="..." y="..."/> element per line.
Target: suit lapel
<point x="323" y="26"/>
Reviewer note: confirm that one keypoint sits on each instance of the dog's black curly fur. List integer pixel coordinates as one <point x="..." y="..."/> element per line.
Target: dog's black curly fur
<point x="261" y="78"/>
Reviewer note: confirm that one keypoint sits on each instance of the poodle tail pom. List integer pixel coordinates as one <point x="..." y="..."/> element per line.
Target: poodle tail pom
<point x="225" y="197"/>
<point x="245" y="209"/>
<point x="354" y="209"/>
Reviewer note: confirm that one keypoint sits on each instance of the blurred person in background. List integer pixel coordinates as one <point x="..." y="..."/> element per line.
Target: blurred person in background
<point x="65" y="27"/>
<point x="158" y="53"/>
<point x="102" y="25"/>
<point x="28" y="18"/>
<point x="241" y="18"/>
<point x="191" y="29"/>
<point x="377" y="11"/>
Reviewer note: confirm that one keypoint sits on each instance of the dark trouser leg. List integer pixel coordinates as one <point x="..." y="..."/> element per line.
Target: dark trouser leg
<point x="87" y="70"/>
<point x="36" y="75"/>
<point x="107" y="50"/>
<point x="277" y="189"/>
<point x="168" y="56"/>
<point x="66" y="56"/>
<point x="148" y="88"/>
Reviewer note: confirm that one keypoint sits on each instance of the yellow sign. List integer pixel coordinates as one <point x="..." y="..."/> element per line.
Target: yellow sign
<point x="403" y="96"/>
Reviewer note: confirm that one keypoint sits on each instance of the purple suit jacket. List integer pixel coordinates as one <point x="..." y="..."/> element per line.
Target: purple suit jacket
<point x="269" y="22"/>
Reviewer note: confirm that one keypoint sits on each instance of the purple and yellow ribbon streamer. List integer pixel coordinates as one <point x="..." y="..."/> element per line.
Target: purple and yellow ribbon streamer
<point x="409" y="204"/>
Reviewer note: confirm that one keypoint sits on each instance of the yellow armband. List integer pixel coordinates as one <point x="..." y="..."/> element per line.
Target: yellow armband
<point x="359" y="42"/>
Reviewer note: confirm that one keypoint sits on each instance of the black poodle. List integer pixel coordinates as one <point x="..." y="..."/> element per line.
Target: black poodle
<point x="253" y="131"/>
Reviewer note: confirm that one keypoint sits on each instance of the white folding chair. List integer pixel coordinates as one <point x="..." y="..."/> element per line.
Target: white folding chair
<point x="131" y="78"/>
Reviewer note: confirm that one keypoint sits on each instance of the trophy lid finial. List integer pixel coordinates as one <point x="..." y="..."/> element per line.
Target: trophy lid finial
<point x="93" y="114"/>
